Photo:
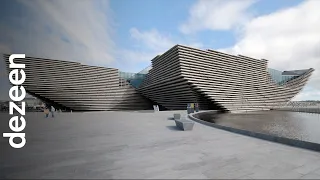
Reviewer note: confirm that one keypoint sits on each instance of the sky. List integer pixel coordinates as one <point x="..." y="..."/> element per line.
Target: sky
<point x="127" y="34"/>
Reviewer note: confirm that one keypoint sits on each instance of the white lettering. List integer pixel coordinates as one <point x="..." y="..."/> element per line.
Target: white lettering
<point x="16" y="135"/>
<point x="18" y="66"/>
<point x="17" y="108"/>
<point x="16" y="81"/>
<point x="15" y="127"/>
<point x="14" y="96"/>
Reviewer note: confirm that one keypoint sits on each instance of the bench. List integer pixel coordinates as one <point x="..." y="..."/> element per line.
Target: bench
<point x="176" y="116"/>
<point x="184" y="124"/>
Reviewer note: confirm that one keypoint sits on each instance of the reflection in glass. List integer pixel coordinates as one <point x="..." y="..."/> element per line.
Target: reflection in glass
<point x="135" y="79"/>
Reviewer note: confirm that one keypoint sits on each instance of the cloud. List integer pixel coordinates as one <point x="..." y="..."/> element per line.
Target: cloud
<point x="152" y="39"/>
<point x="4" y="48"/>
<point x="57" y="29"/>
<point x="288" y="38"/>
<point x="216" y="15"/>
<point x="308" y="94"/>
<point x="62" y="30"/>
<point x="147" y="45"/>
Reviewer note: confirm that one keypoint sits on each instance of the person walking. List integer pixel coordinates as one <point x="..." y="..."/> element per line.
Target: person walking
<point x="46" y="111"/>
<point x="52" y="111"/>
<point x="197" y="107"/>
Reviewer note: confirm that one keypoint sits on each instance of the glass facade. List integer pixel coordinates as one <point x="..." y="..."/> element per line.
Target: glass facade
<point x="279" y="78"/>
<point x="135" y="79"/>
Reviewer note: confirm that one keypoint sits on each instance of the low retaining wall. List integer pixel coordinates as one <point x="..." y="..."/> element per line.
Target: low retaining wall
<point x="268" y="137"/>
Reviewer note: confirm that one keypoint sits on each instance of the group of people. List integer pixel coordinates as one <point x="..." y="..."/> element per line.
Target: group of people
<point x="49" y="109"/>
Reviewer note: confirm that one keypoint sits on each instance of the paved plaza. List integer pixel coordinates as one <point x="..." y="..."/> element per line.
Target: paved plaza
<point x="145" y="145"/>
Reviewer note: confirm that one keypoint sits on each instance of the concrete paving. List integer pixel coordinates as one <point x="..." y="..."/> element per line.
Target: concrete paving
<point x="145" y="145"/>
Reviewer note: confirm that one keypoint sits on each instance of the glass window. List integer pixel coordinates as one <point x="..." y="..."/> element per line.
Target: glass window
<point x="279" y="78"/>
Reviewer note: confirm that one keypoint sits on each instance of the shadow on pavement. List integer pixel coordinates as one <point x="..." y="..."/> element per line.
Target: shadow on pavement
<point x="173" y="128"/>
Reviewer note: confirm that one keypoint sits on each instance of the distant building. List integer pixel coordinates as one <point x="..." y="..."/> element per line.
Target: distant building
<point x="32" y="102"/>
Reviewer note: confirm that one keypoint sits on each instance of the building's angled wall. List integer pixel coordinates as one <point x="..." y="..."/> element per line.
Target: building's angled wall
<point x="184" y="74"/>
<point x="80" y="87"/>
<point x="165" y="84"/>
<point x="236" y="82"/>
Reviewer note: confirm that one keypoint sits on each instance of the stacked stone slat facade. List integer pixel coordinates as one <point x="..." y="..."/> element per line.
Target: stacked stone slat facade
<point x="182" y="75"/>
<point x="79" y="87"/>
<point x="233" y="83"/>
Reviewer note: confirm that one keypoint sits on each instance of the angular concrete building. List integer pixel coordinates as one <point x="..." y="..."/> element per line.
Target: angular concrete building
<point x="73" y="86"/>
<point x="219" y="81"/>
<point x="181" y="75"/>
